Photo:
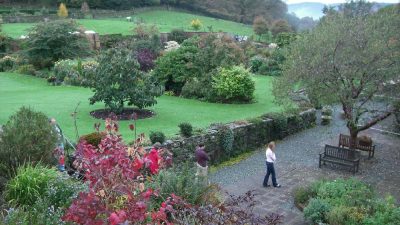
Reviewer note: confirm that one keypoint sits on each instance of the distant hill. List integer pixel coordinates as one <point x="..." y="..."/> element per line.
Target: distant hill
<point x="314" y="9"/>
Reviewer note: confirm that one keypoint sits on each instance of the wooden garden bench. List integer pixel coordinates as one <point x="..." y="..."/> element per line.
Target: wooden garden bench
<point x="341" y="156"/>
<point x="344" y="141"/>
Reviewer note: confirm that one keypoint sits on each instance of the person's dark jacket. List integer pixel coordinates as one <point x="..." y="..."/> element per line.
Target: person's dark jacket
<point x="201" y="157"/>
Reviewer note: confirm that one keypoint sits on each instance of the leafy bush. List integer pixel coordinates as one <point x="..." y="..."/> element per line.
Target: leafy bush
<point x="327" y="111"/>
<point x="62" y="190"/>
<point x="178" y="35"/>
<point x="26" y="69"/>
<point x="19" y="140"/>
<point x="256" y="62"/>
<point x="157" y="136"/>
<point x="317" y="210"/>
<point x="29" y="184"/>
<point x="186" y="129"/>
<point x="75" y="72"/>
<point x="303" y="194"/>
<point x="234" y="85"/>
<point x="386" y="212"/>
<point x="93" y="138"/>
<point x="118" y="81"/>
<point x="196" y="24"/>
<point x="181" y="182"/>
<point x="7" y="63"/>
<point x="51" y="41"/>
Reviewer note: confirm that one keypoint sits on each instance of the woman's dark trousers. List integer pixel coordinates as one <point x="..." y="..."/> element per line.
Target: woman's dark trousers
<point x="270" y="170"/>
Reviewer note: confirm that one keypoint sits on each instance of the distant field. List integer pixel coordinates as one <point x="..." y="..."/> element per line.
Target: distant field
<point x="22" y="90"/>
<point x="164" y="20"/>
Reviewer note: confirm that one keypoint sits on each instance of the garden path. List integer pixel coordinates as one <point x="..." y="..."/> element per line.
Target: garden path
<point x="297" y="164"/>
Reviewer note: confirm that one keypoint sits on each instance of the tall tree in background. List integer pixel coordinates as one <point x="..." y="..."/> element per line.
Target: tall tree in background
<point x="260" y="26"/>
<point x="62" y="11"/>
<point x="85" y="8"/>
<point x="280" y="26"/>
<point x="347" y="60"/>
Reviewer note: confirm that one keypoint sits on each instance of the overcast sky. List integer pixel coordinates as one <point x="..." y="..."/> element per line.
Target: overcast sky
<point x="334" y="1"/>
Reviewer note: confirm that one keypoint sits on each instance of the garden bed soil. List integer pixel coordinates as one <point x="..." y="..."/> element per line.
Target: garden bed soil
<point x="127" y="114"/>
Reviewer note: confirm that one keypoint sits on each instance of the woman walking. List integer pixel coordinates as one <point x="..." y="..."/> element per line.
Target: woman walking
<point x="270" y="160"/>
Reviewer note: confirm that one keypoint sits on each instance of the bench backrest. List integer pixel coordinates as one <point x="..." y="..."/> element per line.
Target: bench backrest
<point x="340" y="153"/>
<point x="344" y="140"/>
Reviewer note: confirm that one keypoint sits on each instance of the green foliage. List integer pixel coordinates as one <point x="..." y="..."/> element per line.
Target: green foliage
<point x="93" y="138"/>
<point x="178" y="35"/>
<point x="186" y="129"/>
<point x="274" y="63"/>
<point x="19" y="140"/>
<point x="181" y="182"/>
<point x="374" y="62"/>
<point x="256" y="62"/>
<point x="157" y="136"/>
<point x="279" y="124"/>
<point x="233" y="85"/>
<point x="327" y="111"/>
<point x="26" y="69"/>
<point x="51" y="41"/>
<point x="303" y="194"/>
<point x="29" y="184"/>
<point x="48" y="209"/>
<point x="284" y="39"/>
<point x="227" y="138"/>
<point x="280" y="26"/>
<point x="188" y="70"/>
<point x="386" y="212"/>
<point x="317" y="210"/>
<point x="118" y="80"/>
<point x="75" y="72"/>
<point x="7" y="63"/>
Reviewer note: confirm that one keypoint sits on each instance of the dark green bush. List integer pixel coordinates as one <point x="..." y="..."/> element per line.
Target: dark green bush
<point x="19" y="141"/>
<point x="256" y="62"/>
<point x="157" y="136"/>
<point x="29" y="184"/>
<point x="233" y="85"/>
<point x="317" y="210"/>
<point x="178" y="35"/>
<point x="186" y="129"/>
<point x="227" y="138"/>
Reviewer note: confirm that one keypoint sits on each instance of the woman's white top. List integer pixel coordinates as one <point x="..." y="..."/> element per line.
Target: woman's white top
<point x="270" y="155"/>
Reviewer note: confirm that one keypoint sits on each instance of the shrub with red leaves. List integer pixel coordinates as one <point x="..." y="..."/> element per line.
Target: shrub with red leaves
<point x="146" y="58"/>
<point x="116" y="174"/>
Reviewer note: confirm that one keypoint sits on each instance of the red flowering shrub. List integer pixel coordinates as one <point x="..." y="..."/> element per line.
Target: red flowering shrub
<point x="116" y="174"/>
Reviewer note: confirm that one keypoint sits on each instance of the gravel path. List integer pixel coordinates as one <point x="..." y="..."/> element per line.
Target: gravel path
<point x="297" y="164"/>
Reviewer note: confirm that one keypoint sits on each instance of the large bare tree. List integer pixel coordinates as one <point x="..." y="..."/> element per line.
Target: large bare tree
<point x="346" y="60"/>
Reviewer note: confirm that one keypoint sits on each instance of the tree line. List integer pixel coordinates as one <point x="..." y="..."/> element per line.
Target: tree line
<point x="238" y="10"/>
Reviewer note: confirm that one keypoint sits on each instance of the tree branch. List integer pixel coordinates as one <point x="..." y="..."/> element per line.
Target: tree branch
<point x="374" y="121"/>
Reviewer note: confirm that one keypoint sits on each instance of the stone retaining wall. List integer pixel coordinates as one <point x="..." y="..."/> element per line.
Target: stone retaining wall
<point x="247" y="136"/>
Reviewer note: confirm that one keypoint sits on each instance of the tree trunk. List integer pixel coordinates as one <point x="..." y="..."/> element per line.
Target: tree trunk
<point x="353" y="141"/>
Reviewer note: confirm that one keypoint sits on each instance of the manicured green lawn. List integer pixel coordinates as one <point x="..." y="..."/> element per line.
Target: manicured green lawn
<point x="59" y="101"/>
<point x="164" y="20"/>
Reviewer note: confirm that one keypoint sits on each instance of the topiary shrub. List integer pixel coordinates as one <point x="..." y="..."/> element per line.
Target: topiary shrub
<point x="157" y="136"/>
<point x="317" y="210"/>
<point x="93" y="138"/>
<point x="186" y="129"/>
<point x="26" y="137"/>
<point x="233" y="85"/>
<point x="29" y="184"/>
